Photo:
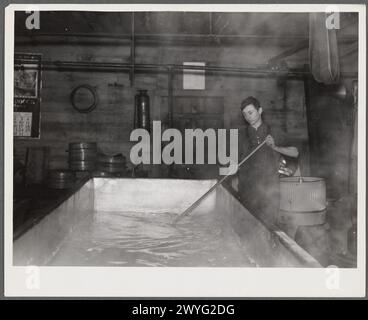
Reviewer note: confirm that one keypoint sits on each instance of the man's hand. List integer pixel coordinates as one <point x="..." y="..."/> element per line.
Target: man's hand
<point x="270" y="141"/>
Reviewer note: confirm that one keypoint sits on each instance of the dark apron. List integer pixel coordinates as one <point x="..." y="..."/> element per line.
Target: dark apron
<point x="259" y="180"/>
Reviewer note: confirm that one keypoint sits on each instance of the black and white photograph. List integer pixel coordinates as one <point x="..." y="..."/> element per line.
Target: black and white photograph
<point x="185" y="150"/>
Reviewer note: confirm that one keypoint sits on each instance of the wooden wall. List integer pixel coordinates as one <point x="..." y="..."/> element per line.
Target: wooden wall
<point x="111" y="122"/>
<point x="331" y="123"/>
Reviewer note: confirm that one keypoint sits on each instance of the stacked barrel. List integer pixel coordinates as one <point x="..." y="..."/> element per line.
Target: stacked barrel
<point x="111" y="165"/>
<point x="60" y="179"/>
<point x="82" y="156"/>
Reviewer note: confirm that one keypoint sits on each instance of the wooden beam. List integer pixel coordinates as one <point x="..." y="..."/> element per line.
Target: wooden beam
<point x="298" y="47"/>
<point x="352" y="49"/>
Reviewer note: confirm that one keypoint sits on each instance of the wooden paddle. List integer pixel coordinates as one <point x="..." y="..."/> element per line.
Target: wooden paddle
<point x="196" y="203"/>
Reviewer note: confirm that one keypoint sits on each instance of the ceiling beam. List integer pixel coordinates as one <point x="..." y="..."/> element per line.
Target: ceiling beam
<point x="303" y="44"/>
<point x="350" y="50"/>
<point x="298" y="47"/>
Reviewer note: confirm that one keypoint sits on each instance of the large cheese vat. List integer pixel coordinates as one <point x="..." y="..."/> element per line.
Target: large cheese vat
<point x="127" y="222"/>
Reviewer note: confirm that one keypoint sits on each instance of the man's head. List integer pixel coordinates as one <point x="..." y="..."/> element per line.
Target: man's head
<point x="251" y="111"/>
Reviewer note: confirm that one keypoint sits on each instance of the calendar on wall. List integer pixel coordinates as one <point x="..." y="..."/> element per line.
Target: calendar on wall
<point x="27" y="95"/>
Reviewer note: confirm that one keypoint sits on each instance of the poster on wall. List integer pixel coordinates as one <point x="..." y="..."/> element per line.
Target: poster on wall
<point x="27" y="97"/>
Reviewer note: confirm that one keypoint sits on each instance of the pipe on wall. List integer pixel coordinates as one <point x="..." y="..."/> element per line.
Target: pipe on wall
<point x="119" y="67"/>
<point x="132" y="53"/>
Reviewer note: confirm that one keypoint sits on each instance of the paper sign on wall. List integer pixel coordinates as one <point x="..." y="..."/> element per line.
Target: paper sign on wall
<point x="194" y="79"/>
<point x="22" y="124"/>
<point x="27" y="95"/>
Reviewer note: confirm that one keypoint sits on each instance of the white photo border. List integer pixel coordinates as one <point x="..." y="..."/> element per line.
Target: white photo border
<point x="183" y="282"/>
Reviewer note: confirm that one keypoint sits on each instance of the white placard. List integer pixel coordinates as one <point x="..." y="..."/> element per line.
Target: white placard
<point x="22" y="124"/>
<point x="194" y="79"/>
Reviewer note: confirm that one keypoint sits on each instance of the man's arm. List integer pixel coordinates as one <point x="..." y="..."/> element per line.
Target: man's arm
<point x="287" y="151"/>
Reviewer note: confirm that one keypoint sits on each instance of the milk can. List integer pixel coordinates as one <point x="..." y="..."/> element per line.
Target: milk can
<point x="142" y="110"/>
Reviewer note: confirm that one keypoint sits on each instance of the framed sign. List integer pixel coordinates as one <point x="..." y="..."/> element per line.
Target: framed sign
<point x="27" y="95"/>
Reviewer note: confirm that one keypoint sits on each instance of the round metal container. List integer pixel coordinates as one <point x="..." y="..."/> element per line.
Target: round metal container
<point x="302" y="194"/>
<point x="82" y="165"/>
<point x="60" y="179"/>
<point x="302" y="203"/>
<point x="302" y="218"/>
<point x="82" y="154"/>
<point x="116" y="159"/>
<point x="83" y="145"/>
<point x="111" y="164"/>
<point x="111" y="167"/>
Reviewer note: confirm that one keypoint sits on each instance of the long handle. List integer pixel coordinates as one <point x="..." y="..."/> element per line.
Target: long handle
<point x="196" y="203"/>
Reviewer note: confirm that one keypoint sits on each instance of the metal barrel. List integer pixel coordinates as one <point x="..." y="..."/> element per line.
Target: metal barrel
<point x="307" y="218"/>
<point x="82" y="156"/>
<point x="302" y="194"/>
<point x="60" y="179"/>
<point x="111" y="168"/>
<point x="111" y="164"/>
<point x="302" y="203"/>
<point x="82" y="165"/>
<point x="117" y="158"/>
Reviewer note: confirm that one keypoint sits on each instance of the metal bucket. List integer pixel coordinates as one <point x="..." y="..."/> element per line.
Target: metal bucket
<point x="302" y="203"/>
<point x="302" y="194"/>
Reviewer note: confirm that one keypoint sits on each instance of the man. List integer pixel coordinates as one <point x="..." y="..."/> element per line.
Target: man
<point x="258" y="177"/>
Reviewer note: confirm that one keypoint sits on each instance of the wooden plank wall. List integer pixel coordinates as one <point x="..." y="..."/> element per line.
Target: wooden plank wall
<point x="111" y="122"/>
